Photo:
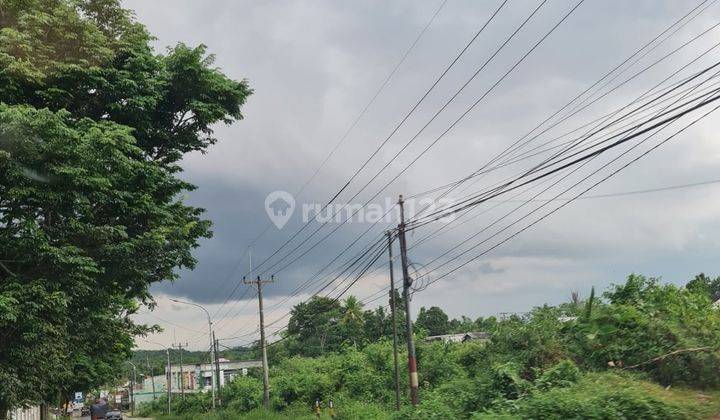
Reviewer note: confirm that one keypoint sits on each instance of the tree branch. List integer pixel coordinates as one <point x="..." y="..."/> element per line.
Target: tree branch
<point x="672" y="353"/>
<point x="7" y="270"/>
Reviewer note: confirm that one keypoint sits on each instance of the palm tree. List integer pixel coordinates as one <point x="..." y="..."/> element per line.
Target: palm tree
<point x="352" y="316"/>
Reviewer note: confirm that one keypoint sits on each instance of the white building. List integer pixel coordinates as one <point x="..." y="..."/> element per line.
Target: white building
<point x="196" y="377"/>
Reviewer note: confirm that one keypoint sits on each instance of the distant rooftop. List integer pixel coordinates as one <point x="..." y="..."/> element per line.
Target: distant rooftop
<point x="460" y="338"/>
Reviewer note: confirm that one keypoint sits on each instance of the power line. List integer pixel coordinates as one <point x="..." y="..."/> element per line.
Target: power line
<point x="347" y="132"/>
<point x="335" y="299"/>
<point x="384" y="142"/>
<point x="578" y="195"/>
<point x="650" y="190"/>
<point x="642" y="71"/>
<point x="462" y="116"/>
<point x="622" y="193"/>
<point x="347" y="271"/>
<point x="517" y="63"/>
<point x="534" y="151"/>
<point x="685" y="81"/>
<point x="520" y="143"/>
<point x="657" y="129"/>
<point x="507" y="186"/>
<point x="316" y="277"/>
<point x="487" y="92"/>
<point x="576" y="6"/>
<point x="533" y="211"/>
<point x="173" y="323"/>
<point x="632" y="192"/>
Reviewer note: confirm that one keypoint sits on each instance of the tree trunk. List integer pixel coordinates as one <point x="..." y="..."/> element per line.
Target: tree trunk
<point x="4" y="409"/>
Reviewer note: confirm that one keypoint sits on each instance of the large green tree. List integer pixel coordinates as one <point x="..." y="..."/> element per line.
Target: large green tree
<point x="316" y="326"/>
<point x="93" y="124"/>
<point x="433" y="320"/>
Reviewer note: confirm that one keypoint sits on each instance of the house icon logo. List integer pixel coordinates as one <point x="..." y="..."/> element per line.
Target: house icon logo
<point x="279" y="206"/>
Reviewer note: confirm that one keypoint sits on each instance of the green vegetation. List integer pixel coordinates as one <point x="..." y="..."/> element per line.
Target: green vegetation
<point x="643" y="350"/>
<point x="93" y="125"/>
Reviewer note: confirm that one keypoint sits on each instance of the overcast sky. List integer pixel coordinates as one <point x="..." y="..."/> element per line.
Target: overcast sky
<point x="315" y="65"/>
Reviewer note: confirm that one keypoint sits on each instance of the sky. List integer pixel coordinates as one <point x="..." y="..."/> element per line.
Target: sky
<point x="315" y="66"/>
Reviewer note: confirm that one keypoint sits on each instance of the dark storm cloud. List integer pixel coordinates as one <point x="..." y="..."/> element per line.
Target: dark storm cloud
<point x="239" y="215"/>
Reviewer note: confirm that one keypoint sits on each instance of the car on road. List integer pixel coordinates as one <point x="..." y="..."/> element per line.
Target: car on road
<point x="114" y="415"/>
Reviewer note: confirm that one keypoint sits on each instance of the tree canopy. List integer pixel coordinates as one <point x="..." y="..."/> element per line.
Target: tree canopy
<point x="434" y="320"/>
<point x="93" y="124"/>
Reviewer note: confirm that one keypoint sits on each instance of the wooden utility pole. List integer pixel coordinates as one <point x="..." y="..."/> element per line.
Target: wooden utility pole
<point x="407" y="282"/>
<point x="217" y="366"/>
<point x="263" y="345"/>
<point x="182" y="377"/>
<point x="394" y="322"/>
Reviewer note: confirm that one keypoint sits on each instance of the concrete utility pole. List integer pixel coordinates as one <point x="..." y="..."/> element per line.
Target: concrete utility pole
<point x="132" y="388"/>
<point x="407" y="282"/>
<point x="152" y="374"/>
<point x="182" y="377"/>
<point x="213" y="354"/>
<point x="169" y="379"/>
<point x="394" y="322"/>
<point x="266" y="376"/>
<point x="217" y="367"/>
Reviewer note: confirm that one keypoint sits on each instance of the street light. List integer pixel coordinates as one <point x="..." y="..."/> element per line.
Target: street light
<point x="132" y="388"/>
<point x="169" y="373"/>
<point x="212" y="345"/>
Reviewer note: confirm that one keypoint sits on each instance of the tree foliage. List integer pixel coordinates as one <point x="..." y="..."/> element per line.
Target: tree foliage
<point x="704" y="284"/>
<point x="92" y="125"/>
<point x="316" y="326"/>
<point x="644" y="319"/>
<point x="434" y="320"/>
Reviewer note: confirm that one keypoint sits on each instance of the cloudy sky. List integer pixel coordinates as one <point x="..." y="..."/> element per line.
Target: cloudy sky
<point x="314" y="67"/>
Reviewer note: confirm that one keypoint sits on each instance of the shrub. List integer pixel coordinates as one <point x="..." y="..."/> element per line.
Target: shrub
<point x="438" y="363"/>
<point x="347" y="408"/>
<point x="192" y="403"/>
<point x="645" y="320"/>
<point x="465" y="395"/>
<point x="599" y="396"/>
<point x="357" y="377"/>
<point x="151" y="408"/>
<point x="303" y="380"/>
<point x="242" y="394"/>
<point x="538" y="340"/>
<point x="432" y="406"/>
<point x="563" y="374"/>
<point x="506" y="381"/>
